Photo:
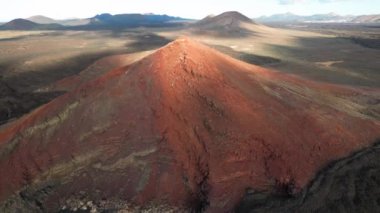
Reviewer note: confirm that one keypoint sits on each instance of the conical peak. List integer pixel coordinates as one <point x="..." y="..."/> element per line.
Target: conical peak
<point x="182" y="44"/>
<point x="191" y="48"/>
<point x="183" y="40"/>
<point x="233" y="15"/>
<point x="186" y="40"/>
<point x="184" y="54"/>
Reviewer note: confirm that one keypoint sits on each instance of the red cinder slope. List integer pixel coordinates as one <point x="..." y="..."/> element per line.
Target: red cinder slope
<point x="187" y="126"/>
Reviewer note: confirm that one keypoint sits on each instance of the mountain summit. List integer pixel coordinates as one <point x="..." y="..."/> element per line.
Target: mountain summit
<point x="226" y="24"/>
<point x="20" y="24"/>
<point x="23" y="24"/>
<point x="42" y="20"/>
<point x="226" y="18"/>
<point x="185" y="126"/>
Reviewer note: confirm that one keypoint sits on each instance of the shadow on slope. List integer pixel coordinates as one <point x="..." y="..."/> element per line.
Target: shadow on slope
<point x="16" y="98"/>
<point x="13" y="104"/>
<point x="351" y="184"/>
<point x="366" y="42"/>
<point x="246" y="57"/>
<point x="21" y="37"/>
<point x="18" y="91"/>
<point x="147" y="41"/>
<point x="32" y="80"/>
<point x="332" y="60"/>
<point x="223" y="32"/>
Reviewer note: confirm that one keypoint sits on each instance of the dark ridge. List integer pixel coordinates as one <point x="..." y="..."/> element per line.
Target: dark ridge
<point x="99" y="22"/>
<point x="350" y="184"/>
<point x="23" y="24"/>
<point x="121" y="21"/>
<point x="20" y="24"/>
<point x="367" y="42"/>
<point x="147" y="41"/>
<point x="202" y="201"/>
<point x="14" y="104"/>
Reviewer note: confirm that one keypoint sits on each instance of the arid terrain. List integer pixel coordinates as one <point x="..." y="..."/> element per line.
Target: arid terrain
<point x="217" y="115"/>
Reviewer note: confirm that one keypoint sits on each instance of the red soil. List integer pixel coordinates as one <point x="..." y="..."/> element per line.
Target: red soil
<point x="187" y="126"/>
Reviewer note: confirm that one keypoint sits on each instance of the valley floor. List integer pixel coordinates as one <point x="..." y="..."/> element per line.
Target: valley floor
<point x="31" y="61"/>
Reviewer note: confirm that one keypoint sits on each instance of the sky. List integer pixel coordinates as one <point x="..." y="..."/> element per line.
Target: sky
<point x="196" y="9"/>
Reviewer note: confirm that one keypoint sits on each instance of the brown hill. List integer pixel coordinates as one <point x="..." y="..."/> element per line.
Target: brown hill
<point x="226" y="24"/>
<point x="20" y="24"/>
<point x="42" y="20"/>
<point x="65" y="22"/>
<point x="75" y="22"/>
<point x="226" y="18"/>
<point x="23" y="24"/>
<point x="186" y="126"/>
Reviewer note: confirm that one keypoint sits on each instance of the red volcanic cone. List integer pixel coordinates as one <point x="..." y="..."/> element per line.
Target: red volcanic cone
<point x="187" y="126"/>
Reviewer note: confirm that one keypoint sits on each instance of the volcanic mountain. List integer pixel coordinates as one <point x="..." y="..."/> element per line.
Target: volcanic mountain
<point x="226" y="24"/>
<point x="23" y="24"/>
<point x="134" y="20"/>
<point x="65" y="22"/>
<point x="42" y="20"/>
<point x="185" y="126"/>
<point x="226" y="18"/>
<point x="20" y="24"/>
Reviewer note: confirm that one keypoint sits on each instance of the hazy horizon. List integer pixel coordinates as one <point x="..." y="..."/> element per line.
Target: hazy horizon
<point x="186" y="9"/>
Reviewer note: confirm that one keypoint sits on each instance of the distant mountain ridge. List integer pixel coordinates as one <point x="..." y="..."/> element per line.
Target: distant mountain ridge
<point x="20" y="24"/>
<point x="23" y="24"/>
<point x="101" y="21"/>
<point x="320" y="18"/>
<point x="39" y="19"/>
<point x="106" y="18"/>
<point x="230" y="21"/>
<point x="133" y="20"/>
